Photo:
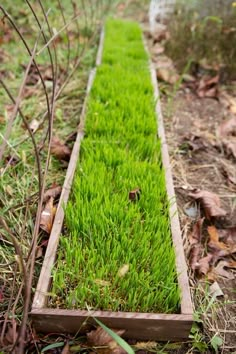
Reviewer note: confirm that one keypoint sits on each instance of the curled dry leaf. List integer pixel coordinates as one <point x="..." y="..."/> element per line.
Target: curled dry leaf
<point x="204" y="264"/>
<point x="168" y="75"/>
<point x="53" y="192"/>
<point x="210" y="203"/>
<point x="195" y="236"/>
<point x="223" y="270"/>
<point x="194" y="256"/>
<point x="60" y="150"/>
<point x="100" y="338"/>
<point x="230" y="146"/>
<point x="195" y="242"/>
<point x="208" y="87"/>
<point x="228" y="101"/>
<point x="228" y="235"/>
<point x="228" y="127"/>
<point x="214" y="242"/>
<point x="47" y="216"/>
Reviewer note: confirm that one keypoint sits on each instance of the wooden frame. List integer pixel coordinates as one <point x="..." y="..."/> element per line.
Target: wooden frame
<point x="141" y="326"/>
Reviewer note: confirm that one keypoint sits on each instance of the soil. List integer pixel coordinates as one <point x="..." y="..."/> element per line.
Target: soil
<point x="199" y="161"/>
<point x="203" y="166"/>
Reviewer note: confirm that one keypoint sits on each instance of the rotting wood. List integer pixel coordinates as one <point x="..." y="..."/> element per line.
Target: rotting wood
<point x="137" y="325"/>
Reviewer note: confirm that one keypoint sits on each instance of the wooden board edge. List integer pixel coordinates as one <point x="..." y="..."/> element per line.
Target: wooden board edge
<point x="44" y="281"/>
<point x="181" y="265"/>
<point x="142" y="326"/>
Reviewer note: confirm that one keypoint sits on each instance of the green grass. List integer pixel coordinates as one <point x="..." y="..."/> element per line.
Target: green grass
<point x="105" y="232"/>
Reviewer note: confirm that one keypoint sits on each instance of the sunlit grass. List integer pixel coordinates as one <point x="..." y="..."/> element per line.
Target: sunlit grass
<point x="117" y="254"/>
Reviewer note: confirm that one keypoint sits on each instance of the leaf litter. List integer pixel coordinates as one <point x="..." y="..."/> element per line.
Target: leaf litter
<point x="200" y="132"/>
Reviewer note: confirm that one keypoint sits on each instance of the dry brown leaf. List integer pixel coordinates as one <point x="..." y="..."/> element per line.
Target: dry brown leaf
<point x="228" y="127"/>
<point x="220" y="270"/>
<point x="66" y="349"/>
<point x="228" y="101"/>
<point x="230" y="146"/>
<point x="195" y="236"/>
<point x="208" y="87"/>
<point x="214" y="239"/>
<point x="47" y="216"/>
<point x="99" y="338"/>
<point x="204" y="264"/>
<point x="194" y="256"/>
<point x="228" y="235"/>
<point x="210" y="203"/>
<point x="60" y="150"/>
<point x="167" y="75"/>
<point x="53" y="192"/>
<point x="157" y="49"/>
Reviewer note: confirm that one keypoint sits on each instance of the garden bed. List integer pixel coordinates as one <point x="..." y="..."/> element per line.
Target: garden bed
<point x="116" y="259"/>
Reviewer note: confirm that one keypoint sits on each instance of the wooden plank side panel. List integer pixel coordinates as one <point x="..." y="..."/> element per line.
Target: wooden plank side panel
<point x="181" y="266"/>
<point x="142" y="326"/>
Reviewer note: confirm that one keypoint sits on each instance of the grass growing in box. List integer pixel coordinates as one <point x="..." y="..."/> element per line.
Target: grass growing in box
<point x="117" y="254"/>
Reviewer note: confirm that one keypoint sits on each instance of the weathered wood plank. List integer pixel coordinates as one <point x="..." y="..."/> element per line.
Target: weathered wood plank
<point x="142" y="326"/>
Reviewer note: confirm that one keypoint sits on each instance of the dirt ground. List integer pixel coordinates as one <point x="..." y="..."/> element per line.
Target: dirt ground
<point x="199" y="161"/>
<point x="200" y="165"/>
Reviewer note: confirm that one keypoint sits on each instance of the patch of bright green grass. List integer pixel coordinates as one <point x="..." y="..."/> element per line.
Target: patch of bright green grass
<point x="117" y="254"/>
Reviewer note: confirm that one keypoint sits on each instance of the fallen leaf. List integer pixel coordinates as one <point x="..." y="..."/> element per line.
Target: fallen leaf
<point x="228" y="127"/>
<point x="214" y="239"/>
<point x="208" y="87"/>
<point x="195" y="236"/>
<point x="230" y="147"/>
<point x="229" y="175"/>
<point x="195" y="142"/>
<point x="39" y="252"/>
<point x="168" y="75"/>
<point x="123" y="270"/>
<point x="228" y="101"/>
<point x="47" y="216"/>
<point x="134" y="195"/>
<point x="10" y="334"/>
<point x="194" y="256"/>
<point x="157" y="49"/>
<point x="102" y="282"/>
<point x="100" y="337"/>
<point x="34" y="124"/>
<point x="228" y="235"/>
<point x="210" y="203"/>
<point x="66" y="349"/>
<point x="215" y="290"/>
<point x="53" y="192"/>
<point x="160" y="33"/>
<point x="204" y="264"/>
<point x="60" y="150"/>
<point x="220" y="271"/>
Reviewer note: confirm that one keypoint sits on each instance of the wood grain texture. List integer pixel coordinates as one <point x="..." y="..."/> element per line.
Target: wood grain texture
<point x="142" y="326"/>
<point x="181" y="266"/>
